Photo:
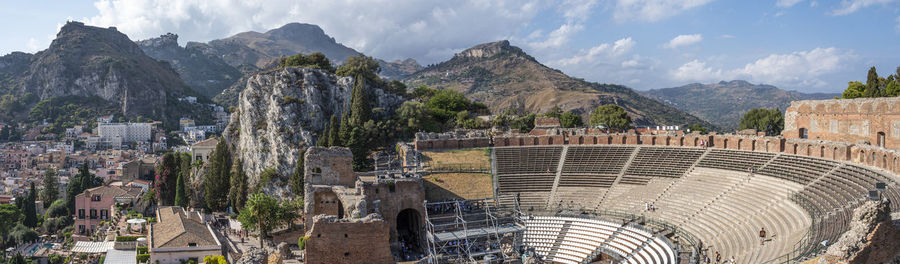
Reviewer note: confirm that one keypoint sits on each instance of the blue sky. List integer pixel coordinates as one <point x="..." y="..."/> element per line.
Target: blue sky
<point x="810" y="46"/>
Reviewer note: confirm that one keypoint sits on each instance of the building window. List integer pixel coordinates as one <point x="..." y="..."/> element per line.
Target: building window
<point x="96" y="198"/>
<point x="192" y="244"/>
<point x="104" y="214"/>
<point x="81" y="215"/>
<point x="93" y="213"/>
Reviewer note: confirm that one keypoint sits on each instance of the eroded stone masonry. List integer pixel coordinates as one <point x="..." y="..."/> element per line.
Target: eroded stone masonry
<point x="873" y="121"/>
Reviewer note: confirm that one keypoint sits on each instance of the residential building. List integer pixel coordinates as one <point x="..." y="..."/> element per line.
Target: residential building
<point x="128" y="132"/>
<point x="98" y="204"/>
<point x="200" y="151"/>
<point x="179" y="236"/>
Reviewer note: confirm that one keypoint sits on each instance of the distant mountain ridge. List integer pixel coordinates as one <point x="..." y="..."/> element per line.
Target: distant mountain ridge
<point x="724" y="103"/>
<point x="203" y="71"/>
<point x="504" y="76"/>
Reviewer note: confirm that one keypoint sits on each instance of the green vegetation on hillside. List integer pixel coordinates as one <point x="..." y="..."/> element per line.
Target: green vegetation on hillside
<point x="769" y="120"/>
<point x="875" y="86"/>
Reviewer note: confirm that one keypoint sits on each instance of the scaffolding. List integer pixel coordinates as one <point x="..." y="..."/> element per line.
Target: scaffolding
<point x="470" y="231"/>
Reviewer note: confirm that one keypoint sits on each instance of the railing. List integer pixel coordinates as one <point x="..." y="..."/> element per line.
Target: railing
<point x="459" y="168"/>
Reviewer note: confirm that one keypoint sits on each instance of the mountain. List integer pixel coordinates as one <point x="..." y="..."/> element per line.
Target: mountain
<point x="254" y="48"/>
<point x="93" y="62"/>
<point x="398" y="68"/>
<point x="724" y="103"/>
<point x="503" y="76"/>
<point x="206" y="73"/>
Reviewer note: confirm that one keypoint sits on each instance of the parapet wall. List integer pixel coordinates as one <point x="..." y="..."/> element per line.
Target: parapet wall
<point x="861" y="153"/>
<point x="361" y="240"/>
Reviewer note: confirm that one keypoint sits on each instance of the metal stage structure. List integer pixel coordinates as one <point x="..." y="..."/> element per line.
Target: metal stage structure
<point x="469" y="231"/>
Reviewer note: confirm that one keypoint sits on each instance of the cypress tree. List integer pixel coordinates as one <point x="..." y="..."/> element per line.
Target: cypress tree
<point x="872" y="88"/>
<point x="358" y="147"/>
<point x="334" y="131"/>
<point x="322" y="141"/>
<point x="344" y="135"/>
<point x="51" y="187"/>
<point x="75" y="186"/>
<point x="28" y="208"/>
<point x="360" y="110"/>
<point x="297" y="177"/>
<point x="181" y="198"/>
<point x="237" y="195"/>
<point x="217" y="180"/>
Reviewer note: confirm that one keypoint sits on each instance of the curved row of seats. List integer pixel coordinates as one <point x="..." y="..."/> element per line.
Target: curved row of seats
<point x="718" y="200"/>
<point x="579" y="240"/>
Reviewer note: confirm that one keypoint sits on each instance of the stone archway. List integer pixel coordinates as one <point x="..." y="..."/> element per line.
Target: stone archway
<point x="408" y="228"/>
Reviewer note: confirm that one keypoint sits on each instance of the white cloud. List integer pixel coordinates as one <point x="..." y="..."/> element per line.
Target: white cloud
<point x="426" y="30"/>
<point x="727" y="36"/>
<point x="575" y="12"/>
<point x="813" y="3"/>
<point x="652" y="10"/>
<point x="34" y="45"/>
<point x="797" y="69"/>
<point x="787" y="3"/>
<point x="683" y="40"/>
<point x="604" y="52"/>
<point x="849" y="6"/>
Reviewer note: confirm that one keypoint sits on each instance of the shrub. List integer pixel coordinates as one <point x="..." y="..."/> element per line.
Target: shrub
<point x="142" y="258"/>
<point x="301" y="242"/>
<point x="214" y="259"/>
<point x="141" y="250"/>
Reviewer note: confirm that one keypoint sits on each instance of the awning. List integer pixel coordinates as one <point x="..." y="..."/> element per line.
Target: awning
<point x="92" y="247"/>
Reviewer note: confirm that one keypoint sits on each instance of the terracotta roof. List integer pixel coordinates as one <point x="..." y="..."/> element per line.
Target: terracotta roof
<point x="211" y="142"/>
<point x="177" y="228"/>
<point x="114" y="191"/>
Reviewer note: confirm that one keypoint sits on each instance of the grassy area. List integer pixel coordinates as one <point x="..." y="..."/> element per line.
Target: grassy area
<point x="443" y="186"/>
<point x="472" y="158"/>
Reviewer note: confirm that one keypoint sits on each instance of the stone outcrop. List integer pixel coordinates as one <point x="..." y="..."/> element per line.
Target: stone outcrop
<point x="283" y="111"/>
<point x="253" y="255"/>
<point x="872" y="238"/>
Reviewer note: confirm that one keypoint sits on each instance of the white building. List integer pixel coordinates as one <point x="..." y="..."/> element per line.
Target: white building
<point x="128" y="132"/>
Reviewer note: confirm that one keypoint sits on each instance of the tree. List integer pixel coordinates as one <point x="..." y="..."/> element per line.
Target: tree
<point x="322" y="141"/>
<point x="260" y="214"/>
<point x="360" y="110"/>
<point x="357" y="145"/>
<point x="769" y="120"/>
<point x="334" y="129"/>
<point x="446" y="103"/>
<point x="414" y="117"/>
<point x="50" y="191"/>
<point x="9" y="217"/>
<point x="360" y="66"/>
<point x="237" y="195"/>
<point x="610" y="116"/>
<point x="166" y="179"/>
<point x="77" y="184"/>
<point x="873" y="88"/>
<point x="570" y="119"/>
<point x="217" y="178"/>
<point x="28" y="209"/>
<point x="181" y="198"/>
<point x="697" y="127"/>
<point x="215" y="259"/>
<point x="315" y="60"/>
<point x="297" y="177"/>
<point x="344" y="130"/>
<point x="854" y="90"/>
<point x="57" y="209"/>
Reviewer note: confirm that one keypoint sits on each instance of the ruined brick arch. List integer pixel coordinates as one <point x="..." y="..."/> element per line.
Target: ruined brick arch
<point x="521" y="141"/>
<point x="580" y="140"/>
<point x="884" y="162"/>
<point x="535" y="141"/>
<point x="794" y="150"/>
<point x="822" y="152"/>
<point x="609" y="140"/>
<point x="624" y="139"/>
<point x="725" y="143"/>
<point x="550" y="141"/>
<point x="653" y="141"/>
<point x="681" y="141"/>
<point x="595" y="140"/>
<point x="834" y="153"/>
<point x="753" y="145"/>
<point x="740" y="142"/>
<point x="808" y="151"/>
<point x="408" y="229"/>
<point x="862" y="156"/>
<point x="696" y="142"/>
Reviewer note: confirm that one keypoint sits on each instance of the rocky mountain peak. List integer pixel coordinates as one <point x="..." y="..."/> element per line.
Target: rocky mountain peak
<point x="169" y="40"/>
<point x="298" y="31"/>
<point x="487" y="50"/>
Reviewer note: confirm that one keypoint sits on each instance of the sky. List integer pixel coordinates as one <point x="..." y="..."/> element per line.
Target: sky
<point x="804" y="45"/>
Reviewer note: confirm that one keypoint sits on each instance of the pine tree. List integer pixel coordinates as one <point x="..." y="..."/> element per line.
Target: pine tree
<point x="334" y="132"/>
<point x="28" y="208"/>
<point x="51" y="187"/>
<point x="237" y="195"/>
<point x="297" y="177"/>
<point x="76" y="185"/>
<point x="360" y="110"/>
<point x="217" y="180"/>
<point x="181" y="198"/>
<point x="344" y="134"/>
<point x="322" y="141"/>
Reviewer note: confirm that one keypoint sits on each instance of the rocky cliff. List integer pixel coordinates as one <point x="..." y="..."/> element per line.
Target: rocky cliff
<point x="282" y="111"/>
<point x="503" y="76"/>
<point x="200" y="68"/>
<point x="88" y="61"/>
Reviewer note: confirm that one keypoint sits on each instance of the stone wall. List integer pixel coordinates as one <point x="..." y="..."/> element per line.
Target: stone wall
<point x="846" y="120"/>
<point x="389" y="197"/>
<point x="362" y="240"/>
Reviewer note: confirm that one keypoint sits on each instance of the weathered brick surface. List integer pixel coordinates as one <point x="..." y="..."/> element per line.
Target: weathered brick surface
<point x="333" y="240"/>
<point x="846" y="120"/>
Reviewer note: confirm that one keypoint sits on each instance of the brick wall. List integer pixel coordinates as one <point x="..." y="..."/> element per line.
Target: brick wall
<point x="333" y="240"/>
